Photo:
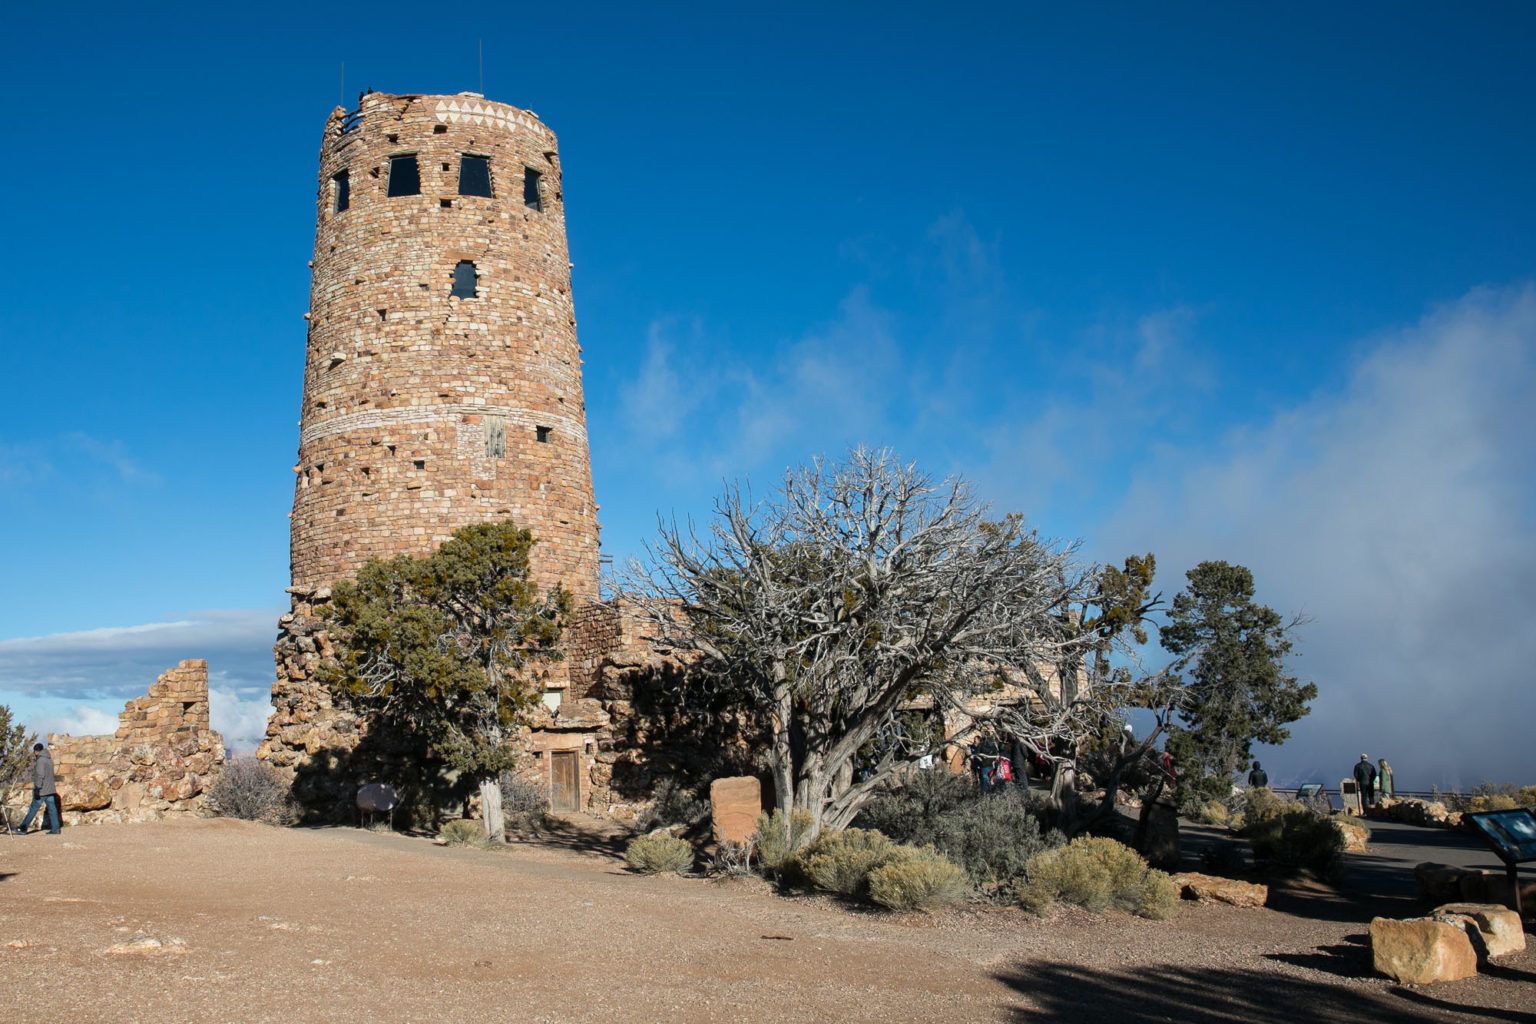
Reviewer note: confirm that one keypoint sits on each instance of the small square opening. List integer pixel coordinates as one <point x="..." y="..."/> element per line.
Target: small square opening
<point x="541" y="434"/>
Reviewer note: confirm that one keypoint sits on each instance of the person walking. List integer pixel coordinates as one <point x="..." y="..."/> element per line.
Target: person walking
<point x="1365" y="781"/>
<point x="1258" y="778"/>
<point x="44" y="793"/>
<point x="1384" y="787"/>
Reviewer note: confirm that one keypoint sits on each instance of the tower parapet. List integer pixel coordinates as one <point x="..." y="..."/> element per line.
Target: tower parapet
<point x="442" y="380"/>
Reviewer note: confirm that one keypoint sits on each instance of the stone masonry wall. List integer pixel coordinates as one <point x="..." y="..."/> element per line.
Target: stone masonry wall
<point x="424" y="412"/>
<point x="159" y="762"/>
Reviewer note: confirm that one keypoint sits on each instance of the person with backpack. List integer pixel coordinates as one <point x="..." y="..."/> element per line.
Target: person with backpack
<point x="1258" y="778"/>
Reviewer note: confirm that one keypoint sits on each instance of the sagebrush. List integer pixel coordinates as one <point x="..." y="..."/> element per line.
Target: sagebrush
<point x="658" y="855"/>
<point x="991" y="837"/>
<point x="672" y="804"/>
<point x="466" y="832"/>
<point x="841" y="862"/>
<point x="921" y="880"/>
<point x="524" y="803"/>
<point x="1291" y="835"/>
<point x="253" y="790"/>
<point x="777" y="839"/>
<point x="1094" y="873"/>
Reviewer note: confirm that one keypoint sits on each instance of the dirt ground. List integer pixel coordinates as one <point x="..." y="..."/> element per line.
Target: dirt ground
<point x="261" y="924"/>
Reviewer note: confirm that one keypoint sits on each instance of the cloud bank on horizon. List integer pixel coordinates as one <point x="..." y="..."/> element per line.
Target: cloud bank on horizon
<point x="77" y="682"/>
<point x="1400" y="514"/>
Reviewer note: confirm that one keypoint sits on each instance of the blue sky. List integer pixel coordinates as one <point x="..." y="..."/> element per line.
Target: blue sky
<point x="1206" y="280"/>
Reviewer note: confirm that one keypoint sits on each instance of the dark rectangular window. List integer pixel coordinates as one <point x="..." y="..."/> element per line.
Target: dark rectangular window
<point x="341" y="192"/>
<point x="531" y="197"/>
<point x="541" y="434"/>
<point x="465" y="279"/>
<point x="474" y="176"/>
<point x="404" y="176"/>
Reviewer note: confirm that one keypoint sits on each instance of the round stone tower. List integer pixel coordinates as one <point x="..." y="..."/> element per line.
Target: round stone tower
<point x="442" y="382"/>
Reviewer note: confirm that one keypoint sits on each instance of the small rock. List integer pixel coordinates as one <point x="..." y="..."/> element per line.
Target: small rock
<point x="147" y="945"/>
<point x="1422" y="950"/>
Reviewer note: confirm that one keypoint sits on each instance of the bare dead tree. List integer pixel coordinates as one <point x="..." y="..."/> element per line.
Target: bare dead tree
<point x="862" y="588"/>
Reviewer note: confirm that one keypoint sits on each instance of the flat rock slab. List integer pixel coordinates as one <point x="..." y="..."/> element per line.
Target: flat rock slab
<point x="1499" y="926"/>
<point x="734" y="804"/>
<point x="1192" y="885"/>
<point x="1422" y="950"/>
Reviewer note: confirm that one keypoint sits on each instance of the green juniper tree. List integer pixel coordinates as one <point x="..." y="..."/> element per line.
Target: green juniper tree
<point x="445" y="649"/>
<point x="15" y="752"/>
<point x="1237" y="693"/>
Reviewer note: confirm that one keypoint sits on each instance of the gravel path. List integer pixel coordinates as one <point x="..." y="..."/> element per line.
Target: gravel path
<point x="257" y="924"/>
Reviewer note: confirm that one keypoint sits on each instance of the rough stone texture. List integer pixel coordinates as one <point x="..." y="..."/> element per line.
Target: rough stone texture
<point x="1356" y="836"/>
<point x="734" y="804"/>
<point x="422" y="411"/>
<point x="1410" y="811"/>
<point x="1446" y="883"/>
<point x="159" y="763"/>
<point x="1192" y="885"/>
<point x="1499" y="926"/>
<point x="1422" y="950"/>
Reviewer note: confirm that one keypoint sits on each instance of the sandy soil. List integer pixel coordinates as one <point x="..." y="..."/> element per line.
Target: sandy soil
<point x="260" y="924"/>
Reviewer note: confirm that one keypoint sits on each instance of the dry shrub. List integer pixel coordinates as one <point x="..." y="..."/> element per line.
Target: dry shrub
<point x="841" y="862"/>
<point x="1159" y="896"/>
<point x="251" y="789"/>
<point x="992" y="837"/>
<point x="524" y="804"/>
<point x="732" y="860"/>
<point x="466" y="832"/>
<point x="921" y="879"/>
<point x="777" y="840"/>
<point x="1094" y="873"/>
<point x="672" y="804"/>
<point x="659" y="855"/>
<point x="1292" y="835"/>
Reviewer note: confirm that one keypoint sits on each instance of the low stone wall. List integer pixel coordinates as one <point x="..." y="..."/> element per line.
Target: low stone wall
<point x="159" y="763"/>
<point x="1412" y="811"/>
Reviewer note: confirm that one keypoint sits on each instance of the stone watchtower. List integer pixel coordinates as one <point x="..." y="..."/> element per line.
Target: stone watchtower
<point x="442" y="377"/>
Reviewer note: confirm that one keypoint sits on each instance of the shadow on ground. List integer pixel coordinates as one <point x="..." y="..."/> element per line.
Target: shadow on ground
<point x="1192" y="995"/>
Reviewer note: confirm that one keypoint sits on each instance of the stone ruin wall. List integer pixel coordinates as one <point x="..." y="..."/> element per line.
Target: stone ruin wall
<point x="158" y="764"/>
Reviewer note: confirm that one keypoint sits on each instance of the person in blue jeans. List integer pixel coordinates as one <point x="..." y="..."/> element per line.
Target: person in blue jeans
<point x="44" y="792"/>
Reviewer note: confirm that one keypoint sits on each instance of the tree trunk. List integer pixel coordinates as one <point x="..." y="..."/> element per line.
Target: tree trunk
<point x="490" y="808"/>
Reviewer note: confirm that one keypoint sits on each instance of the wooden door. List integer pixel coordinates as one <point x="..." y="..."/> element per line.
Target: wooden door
<point x="564" y="789"/>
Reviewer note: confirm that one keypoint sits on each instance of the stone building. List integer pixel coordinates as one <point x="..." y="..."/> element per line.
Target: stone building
<point x="442" y="387"/>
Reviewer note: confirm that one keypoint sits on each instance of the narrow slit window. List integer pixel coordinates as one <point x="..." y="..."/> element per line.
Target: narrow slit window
<point x="404" y="176"/>
<point x="474" y="176"/>
<point x="465" y="280"/>
<point x="341" y="191"/>
<point x="541" y="434"/>
<point x="531" y="197"/>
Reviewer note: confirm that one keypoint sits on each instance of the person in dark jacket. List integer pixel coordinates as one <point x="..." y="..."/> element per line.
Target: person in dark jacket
<point x="1258" y="778"/>
<point x="1365" y="781"/>
<point x="44" y="793"/>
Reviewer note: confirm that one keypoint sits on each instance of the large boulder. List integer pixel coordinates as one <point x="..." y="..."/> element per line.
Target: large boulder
<point x="1437" y="883"/>
<point x="87" y="794"/>
<point x="1192" y="885"/>
<point x="1355" y="835"/>
<point x="734" y="804"/>
<point x="1422" y="950"/>
<point x="1499" y="927"/>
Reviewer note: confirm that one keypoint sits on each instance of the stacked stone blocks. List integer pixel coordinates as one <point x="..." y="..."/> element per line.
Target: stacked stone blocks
<point x="158" y="764"/>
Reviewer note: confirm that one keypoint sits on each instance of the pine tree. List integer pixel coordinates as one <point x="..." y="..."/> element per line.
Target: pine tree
<point x="1232" y="651"/>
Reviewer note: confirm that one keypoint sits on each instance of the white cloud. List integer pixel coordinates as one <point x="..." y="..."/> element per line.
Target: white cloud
<point x="1400" y="513"/>
<point x="77" y="682"/>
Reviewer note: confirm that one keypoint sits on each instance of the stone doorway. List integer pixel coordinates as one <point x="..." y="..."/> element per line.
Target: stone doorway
<point x="564" y="785"/>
